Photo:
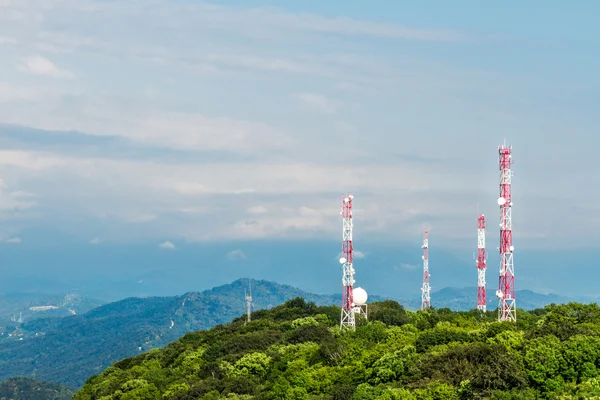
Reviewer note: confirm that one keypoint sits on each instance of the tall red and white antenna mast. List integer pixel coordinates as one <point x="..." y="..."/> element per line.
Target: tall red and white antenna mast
<point x="507" y="308"/>
<point x="347" y="319"/>
<point x="425" y="290"/>
<point x="481" y="297"/>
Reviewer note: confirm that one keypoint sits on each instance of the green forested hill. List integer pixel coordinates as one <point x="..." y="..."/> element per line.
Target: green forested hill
<point x="296" y="351"/>
<point x="32" y="389"/>
<point x="69" y="350"/>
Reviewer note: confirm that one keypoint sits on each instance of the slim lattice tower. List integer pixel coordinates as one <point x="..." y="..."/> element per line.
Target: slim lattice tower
<point x="506" y="289"/>
<point x="248" y="303"/>
<point x="481" y="297"/>
<point x="425" y="289"/>
<point x="347" y="319"/>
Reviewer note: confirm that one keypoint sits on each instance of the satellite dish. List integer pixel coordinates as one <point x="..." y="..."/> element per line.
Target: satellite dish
<point x="512" y="248"/>
<point x="360" y="296"/>
<point x="499" y="294"/>
<point x="342" y="260"/>
<point x="501" y="201"/>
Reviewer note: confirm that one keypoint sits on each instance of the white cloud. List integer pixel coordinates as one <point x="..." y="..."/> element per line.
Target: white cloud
<point x="14" y="201"/>
<point x="167" y="245"/>
<point x="95" y="240"/>
<point x="408" y="266"/>
<point x="258" y="210"/>
<point x="140" y="218"/>
<point x="318" y="102"/>
<point x="146" y="126"/>
<point x="15" y="240"/>
<point x="11" y="92"/>
<point x="253" y="62"/>
<point x="221" y="132"/>
<point x="359" y="254"/>
<point x="236" y="255"/>
<point x="7" y="40"/>
<point x="193" y="188"/>
<point x="39" y="65"/>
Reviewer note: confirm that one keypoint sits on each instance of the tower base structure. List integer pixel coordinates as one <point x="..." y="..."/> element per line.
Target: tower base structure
<point x="362" y="310"/>
<point x="348" y="319"/>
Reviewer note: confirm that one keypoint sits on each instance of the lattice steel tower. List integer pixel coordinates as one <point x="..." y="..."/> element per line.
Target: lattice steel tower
<point x="347" y="319"/>
<point x="481" y="296"/>
<point x="248" y="298"/>
<point x="507" y="310"/>
<point x="425" y="289"/>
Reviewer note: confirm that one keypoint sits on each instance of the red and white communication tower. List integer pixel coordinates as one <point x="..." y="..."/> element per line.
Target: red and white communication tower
<point x="425" y="290"/>
<point x="347" y="319"/>
<point x="507" y="308"/>
<point x="481" y="297"/>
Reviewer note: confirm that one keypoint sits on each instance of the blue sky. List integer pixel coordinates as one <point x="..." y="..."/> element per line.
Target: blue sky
<point x="182" y="122"/>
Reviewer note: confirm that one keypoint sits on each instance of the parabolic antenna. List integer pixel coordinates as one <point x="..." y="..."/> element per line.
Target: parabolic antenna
<point x="360" y="296"/>
<point x="342" y="260"/>
<point x="499" y="294"/>
<point x="501" y="201"/>
<point x="512" y="248"/>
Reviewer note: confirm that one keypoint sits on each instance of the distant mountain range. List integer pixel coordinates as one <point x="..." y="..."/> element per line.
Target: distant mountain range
<point x="466" y="299"/>
<point x="70" y="349"/>
<point x="29" y="306"/>
<point x="32" y="389"/>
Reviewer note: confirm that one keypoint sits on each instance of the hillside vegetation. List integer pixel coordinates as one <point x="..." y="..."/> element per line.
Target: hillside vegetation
<point x="296" y="351"/>
<point x="68" y="350"/>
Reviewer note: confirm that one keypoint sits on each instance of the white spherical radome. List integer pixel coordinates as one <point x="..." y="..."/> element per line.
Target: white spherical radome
<point x="360" y="296"/>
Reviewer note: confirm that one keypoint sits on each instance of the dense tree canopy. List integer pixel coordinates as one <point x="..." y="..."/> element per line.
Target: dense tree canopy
<point x="296" y="351"/>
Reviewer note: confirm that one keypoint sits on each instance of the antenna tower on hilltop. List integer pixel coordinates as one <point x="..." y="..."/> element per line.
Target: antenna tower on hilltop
<point x="481" y="297"/>
<point x="347" y="319"/>
<point x="248" y="303"/>
<point x="426" y="291"/>
<point x="507" y="310"/>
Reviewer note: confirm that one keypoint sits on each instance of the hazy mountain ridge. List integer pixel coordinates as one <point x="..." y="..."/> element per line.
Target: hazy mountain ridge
<point x="464" y="299"/>
<point x="12" y="304"/>
<point x="22" y="388"/>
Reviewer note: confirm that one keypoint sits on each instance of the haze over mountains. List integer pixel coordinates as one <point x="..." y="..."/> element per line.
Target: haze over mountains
<point x="70" y="349"/>
<point x="110" y="272"/>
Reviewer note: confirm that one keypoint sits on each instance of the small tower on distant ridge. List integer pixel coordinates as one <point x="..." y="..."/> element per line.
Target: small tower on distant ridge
<point x="425" y="289"/>
<point x="248" y="302"/>
<point x="481" y="264"/>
